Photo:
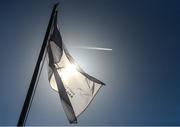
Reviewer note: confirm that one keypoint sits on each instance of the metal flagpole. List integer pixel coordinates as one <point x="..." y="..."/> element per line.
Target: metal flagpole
<point x="29" y="96"/>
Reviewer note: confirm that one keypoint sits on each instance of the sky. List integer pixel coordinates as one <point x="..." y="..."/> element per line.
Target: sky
<point x="141" y="72"/>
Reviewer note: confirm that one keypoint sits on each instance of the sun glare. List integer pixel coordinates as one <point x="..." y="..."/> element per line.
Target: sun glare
<point x="68" y="72"/>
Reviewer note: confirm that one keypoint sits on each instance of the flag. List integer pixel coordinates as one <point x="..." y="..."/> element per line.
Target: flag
<point x="75" y="87"/>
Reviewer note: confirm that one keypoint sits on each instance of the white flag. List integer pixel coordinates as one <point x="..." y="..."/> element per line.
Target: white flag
<point x="75" y="87"/>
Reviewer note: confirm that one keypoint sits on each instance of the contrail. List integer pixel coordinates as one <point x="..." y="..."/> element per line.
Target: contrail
<point x="94" y="48"/>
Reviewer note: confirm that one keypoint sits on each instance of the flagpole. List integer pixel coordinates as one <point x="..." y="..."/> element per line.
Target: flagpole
<point x="27" y="102"/>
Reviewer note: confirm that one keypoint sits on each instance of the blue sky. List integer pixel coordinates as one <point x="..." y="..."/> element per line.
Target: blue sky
<point x="141" y="72"/>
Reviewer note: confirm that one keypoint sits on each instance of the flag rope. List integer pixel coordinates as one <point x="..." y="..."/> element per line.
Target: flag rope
<point x="36" y="74"/>
<point x="39" y="74"/>
<point x="35" y="87"/>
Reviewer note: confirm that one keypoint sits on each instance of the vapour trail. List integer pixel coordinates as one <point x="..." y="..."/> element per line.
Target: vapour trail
<point x="94" y="48"/>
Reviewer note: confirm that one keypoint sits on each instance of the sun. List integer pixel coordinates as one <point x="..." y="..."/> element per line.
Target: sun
<point x="67" y="72"/>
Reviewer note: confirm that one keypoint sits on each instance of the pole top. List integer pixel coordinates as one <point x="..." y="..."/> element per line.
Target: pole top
<point x="55" y="5"/>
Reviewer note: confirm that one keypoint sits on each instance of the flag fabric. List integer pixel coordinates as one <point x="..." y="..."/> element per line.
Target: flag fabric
<point x="75" y="87"/>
